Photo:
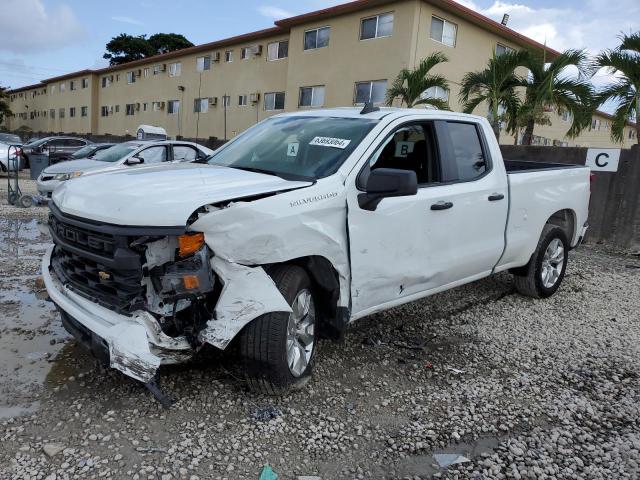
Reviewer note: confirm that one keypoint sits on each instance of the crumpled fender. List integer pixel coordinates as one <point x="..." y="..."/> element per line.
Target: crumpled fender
<point x="247" y="293"/>
<point x="246" y="234"/>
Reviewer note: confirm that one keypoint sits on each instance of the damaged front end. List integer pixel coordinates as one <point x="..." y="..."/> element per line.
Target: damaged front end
<point x="141" y="297"/>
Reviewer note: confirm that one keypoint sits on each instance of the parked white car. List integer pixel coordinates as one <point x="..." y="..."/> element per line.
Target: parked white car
<point x="299" y="226"/>
<point x="122" y="155"/>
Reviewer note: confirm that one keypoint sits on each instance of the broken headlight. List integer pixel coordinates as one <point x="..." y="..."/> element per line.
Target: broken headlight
<point x="184" y="278"/>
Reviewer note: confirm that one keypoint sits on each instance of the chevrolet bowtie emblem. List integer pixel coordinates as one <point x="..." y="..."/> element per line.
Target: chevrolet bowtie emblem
<point x="104" y="275"/>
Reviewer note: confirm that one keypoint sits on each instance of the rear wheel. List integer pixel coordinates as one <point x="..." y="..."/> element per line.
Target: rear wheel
<point x="278" y="348"/>
<point x="544" y="273"/>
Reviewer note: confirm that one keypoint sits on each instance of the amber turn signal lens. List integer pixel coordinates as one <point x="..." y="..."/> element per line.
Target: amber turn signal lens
<point x="190" y="282"/>
<point x="189" y="243"/>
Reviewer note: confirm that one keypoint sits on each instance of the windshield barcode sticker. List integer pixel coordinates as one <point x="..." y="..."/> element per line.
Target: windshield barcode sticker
<point x="330" y="142"/>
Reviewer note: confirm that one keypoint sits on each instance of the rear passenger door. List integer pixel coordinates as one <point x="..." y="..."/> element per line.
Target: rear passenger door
<point x="153" y="155"/>
<point x="184" y="153"/>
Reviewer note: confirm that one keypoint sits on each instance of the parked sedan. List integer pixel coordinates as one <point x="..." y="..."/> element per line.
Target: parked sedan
<point x="56" y="148"/>
<point x="89" y="151"/>
<point x="10" y="139"/>
<point x="123" y="155"/>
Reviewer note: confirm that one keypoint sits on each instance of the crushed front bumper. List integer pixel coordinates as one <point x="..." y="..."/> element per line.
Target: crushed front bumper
<point x="134" y="345"/>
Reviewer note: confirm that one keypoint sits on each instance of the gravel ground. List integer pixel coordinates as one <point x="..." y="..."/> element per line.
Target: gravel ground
<point x="519" y="388"/>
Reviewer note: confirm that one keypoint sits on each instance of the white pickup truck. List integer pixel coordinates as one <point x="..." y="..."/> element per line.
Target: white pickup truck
<point x="297" y="227"/>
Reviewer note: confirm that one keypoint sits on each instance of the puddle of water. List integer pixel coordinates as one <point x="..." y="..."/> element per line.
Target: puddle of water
<point x="32" y="339"/>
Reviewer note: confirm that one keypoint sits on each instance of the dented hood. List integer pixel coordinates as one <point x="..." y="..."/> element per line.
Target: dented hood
<point x="163" y="195"/>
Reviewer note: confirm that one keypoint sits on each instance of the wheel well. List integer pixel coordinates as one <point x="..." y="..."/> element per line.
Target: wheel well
<point x="566" y="220"/>
<point x="326" y="288"/>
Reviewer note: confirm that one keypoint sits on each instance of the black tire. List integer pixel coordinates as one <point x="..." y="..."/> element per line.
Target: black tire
<point x="529" y="281"/>
<point x="263" y="343"/>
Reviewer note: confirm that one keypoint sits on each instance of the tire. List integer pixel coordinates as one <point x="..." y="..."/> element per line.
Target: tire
<point x="268" y="341"/>
<point x="542" y="276"/>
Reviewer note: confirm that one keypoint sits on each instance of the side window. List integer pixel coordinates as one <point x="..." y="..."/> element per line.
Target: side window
<point x="153" y="155"/>
<point x="184" y="153"/>
<point x="411" y="147"/>
<point x="468" y="154"/>
<point x="76" y="143"/>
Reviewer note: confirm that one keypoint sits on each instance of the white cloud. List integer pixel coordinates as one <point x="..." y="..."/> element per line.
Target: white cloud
<point x="129" y="20"/>
<point x="276" y="13"/>
<point x="27" y="26"/>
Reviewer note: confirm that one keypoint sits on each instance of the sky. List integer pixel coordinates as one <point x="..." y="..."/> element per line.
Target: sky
<point x="44" y="38"/>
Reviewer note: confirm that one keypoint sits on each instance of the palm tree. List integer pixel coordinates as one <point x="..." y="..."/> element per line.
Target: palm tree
<point x="5" y="111"/>
<point x="551" y="86"/>
<point x="497" y="85"/>
<point x="625" y="90"/>
<point x="411" y="85"/>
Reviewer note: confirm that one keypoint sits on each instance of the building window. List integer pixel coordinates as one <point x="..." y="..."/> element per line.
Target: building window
<point x="85" y="82"/>
<point x="317" y="38"/>
<point x="377" y="26"/>
<point x="311" y="96"/>
<point x="274" y="101"/>
<point x="566" y="116"/>
<point x="84" y="111"/>
<point x="52" y="113"/>
<point x="117" y="108"/>
<point x="502" y="49"/>
<point x="62" y="87"/>
<point x="106" y="81"/>
<point x="61" y="112"/>
<point x="173" y="107"/>
<point x="228" y="56"/>
<point x="72" y="112"/>
<point x="201" y="105"/>
<point x="373" y="91"/>
<point x="129" y="108"/>
<point x="145" y="72"/>
<point x="436" y="92"/>
<point x="72" y="85"/>
<point x="244" y="53"/>
<point x="144" y="106"/>
<point x="131" y="77"/>
<point x="226" y="101"/>
<point x="157" y="69"/>
<point x="242" y="100"/>
<point x="443" y="31"/>
<point x="175" y="69"/>
<point x="203" y="63"/>
<point x="157" y="106"/>
<point x="53" y="89"/>
<point x="278" y="50"/>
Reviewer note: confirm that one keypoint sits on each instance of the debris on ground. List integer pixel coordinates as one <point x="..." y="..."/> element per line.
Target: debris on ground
<point x="52" y="449"/>
<point x="444" y="460"/>
<point x="267" y="473"/>
<point x="263" y="414"/>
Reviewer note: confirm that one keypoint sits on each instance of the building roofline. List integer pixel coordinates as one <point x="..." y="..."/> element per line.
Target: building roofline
<point x="283" y="26"/>
<point x="608" y="116"/>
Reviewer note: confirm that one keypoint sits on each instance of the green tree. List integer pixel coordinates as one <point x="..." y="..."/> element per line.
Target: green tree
<point x="497" y="86"/>
<point x="624" y="61"/>
<point x="5" y="111"/>
<point x="127" y="48"/>
<point x="168" y="42"/>
<point x="553" y="86"/>
<point x="411" y="85"/>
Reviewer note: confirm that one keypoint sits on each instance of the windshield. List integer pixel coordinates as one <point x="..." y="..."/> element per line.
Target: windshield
<point x="298" y="147"/>
<point x="115" y="153"/>
<point x="84" y="151"/>
<point x="9" y="138"/>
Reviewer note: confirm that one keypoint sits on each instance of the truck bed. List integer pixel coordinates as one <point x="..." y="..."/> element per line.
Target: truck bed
<point x="520" y="166"/>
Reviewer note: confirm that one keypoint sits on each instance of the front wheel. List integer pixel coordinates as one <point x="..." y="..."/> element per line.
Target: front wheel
<point x="545" y="271"/>
<point x="278" y="348"/>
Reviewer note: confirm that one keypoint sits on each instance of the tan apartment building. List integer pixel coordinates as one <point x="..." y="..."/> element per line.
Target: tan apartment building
<point x="339" y="56"/>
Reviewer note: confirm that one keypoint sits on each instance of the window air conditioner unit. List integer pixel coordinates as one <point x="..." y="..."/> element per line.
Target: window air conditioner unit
<point x="216" y="57"/>
<point x="163" y="67"/>
<point x="213" y="101"/>
<point x="254" y="97"/>
<point x="255" y="50"/>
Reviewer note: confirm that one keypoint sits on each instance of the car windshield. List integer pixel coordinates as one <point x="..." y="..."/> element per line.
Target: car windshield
<point x="115" y="153"/>
<point x="83" y="152"/>
<point x="295" y="147"/>
<point x="9" y="138"/>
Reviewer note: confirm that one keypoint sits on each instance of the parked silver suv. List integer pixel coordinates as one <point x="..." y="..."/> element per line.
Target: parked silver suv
<point x="123" y="155"/>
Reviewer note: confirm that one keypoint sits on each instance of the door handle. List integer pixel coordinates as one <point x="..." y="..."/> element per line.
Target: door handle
<point x="441" y="206"/>
<point x="495" y="197"/>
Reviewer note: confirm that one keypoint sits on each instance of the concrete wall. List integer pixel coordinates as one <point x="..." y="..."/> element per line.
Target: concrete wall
<point x="614" y="210"/>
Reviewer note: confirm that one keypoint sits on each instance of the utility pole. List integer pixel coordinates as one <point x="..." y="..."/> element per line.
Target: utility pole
<point x="224" y="106"/>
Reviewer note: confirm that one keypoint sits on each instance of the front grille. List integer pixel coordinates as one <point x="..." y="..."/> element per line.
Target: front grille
<point x="83" y="238"/>
<point x="46" y="178"/>
<point x="119" y="290"/>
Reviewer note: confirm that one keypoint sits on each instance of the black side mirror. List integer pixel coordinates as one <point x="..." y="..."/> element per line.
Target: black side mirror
<point x="387" y="182"/>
